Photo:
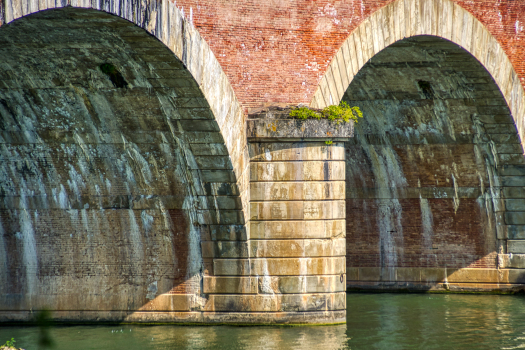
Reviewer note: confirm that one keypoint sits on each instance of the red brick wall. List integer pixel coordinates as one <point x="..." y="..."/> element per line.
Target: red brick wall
<point x="277" y="51"/>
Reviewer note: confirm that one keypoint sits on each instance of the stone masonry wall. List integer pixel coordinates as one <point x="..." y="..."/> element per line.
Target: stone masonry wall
<point x="108" y="179"/>
<point x="426" y="184"/>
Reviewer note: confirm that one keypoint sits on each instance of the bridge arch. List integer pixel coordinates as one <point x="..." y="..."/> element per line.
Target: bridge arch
<point x="398" y="45"/>
<point x="406" y="18"/>
<point x="174" y="29"/>
<point x="117" y="170"/>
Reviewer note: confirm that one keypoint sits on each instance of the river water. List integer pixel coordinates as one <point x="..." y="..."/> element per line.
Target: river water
<point x="374" y="321"/>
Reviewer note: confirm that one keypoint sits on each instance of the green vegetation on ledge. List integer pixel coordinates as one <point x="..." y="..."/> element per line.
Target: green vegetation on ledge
<point x="341" y="112"/>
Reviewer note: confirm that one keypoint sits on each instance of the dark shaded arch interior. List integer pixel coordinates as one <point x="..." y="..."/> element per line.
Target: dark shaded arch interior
<point x="425" y="187"/>
<point x="99" y="202"/>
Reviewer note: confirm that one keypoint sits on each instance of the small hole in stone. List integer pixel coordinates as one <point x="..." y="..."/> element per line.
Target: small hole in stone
<point x="114" y="75"/>
<point x="426" y="88"/>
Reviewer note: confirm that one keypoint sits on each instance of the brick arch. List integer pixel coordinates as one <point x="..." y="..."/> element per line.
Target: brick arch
<point x="407" y="18"/>
<point x="175" y="30"/>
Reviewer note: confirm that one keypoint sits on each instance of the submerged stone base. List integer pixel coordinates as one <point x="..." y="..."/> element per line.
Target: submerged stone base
<point x="197" y="317"/>
<point x="470" y="280"/>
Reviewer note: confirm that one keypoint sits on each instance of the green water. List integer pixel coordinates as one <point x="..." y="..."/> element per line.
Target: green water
<point x="374" y="321"/>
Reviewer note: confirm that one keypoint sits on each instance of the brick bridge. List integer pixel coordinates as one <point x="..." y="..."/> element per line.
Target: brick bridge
<point x="148" y="172"/>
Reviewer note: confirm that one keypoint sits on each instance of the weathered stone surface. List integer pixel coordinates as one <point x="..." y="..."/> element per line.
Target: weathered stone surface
<point x="102" y="172"/>
<point x="513" y="261"/>
<point x="279" y="266"/>
<point x="516" y="246"/>
<point x="297" y="210"/>
<point x="278" y="303"/>
<point x="230" y="285"/>
<point x="297" y="229"/>
<point x="276" y="191"/>
<point x="480" y="279"/>
<point x="275" y="123"/>
<point x="288" y="151"/>
<point x="297" y="171"/>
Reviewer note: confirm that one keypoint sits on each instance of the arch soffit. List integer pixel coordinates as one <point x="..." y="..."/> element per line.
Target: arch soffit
<point x="406" y="18"/>
<point x="168" y="24"/>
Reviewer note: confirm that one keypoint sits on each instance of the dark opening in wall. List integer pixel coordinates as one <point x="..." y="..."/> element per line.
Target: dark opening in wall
<point x="114" y="75"/>
<point x="426" y="88"/>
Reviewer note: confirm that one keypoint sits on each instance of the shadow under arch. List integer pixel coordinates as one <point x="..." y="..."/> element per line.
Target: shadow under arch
<point x="115" y="174"/>
<point x="436" y="167"/>
<point x="168" y="24"/>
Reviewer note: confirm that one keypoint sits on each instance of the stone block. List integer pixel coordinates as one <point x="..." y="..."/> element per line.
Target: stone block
<point x="468" y="275"/>
<point x="407" y="274"/>
<point x="227" y="202"/>
<point x="213" y="162"/>
<point x="277" y="248"/>
<point x="512" y="170"/>
<point x="298" y="248"/>
<point x="297" y="210"/>
<point x="307" y="284"/>
<point x="310" y="190"/>
<point x="217" y="176"/>
<point x="293" y="151"/>
<point x="297" y="171"/>
<point x="231" y="267"/>
<point x="512" y="261"/>
<point x="369" y="274"/>
<point x="515" y="218"/>
<point x="515" y="231"/>
<point x="290" y="210"/>
<point x="325" y="247"/>
<point x="230" y="285"/>
<point x="297" y="229"/>
<point x="225" y="249"/>
<point x="516" y="246"/>
<point x="431" y="275"/>
<point x="208" y="149"/>
<point x="505" y="138"/>
<point x="228" y="233"/>
<point x="277" y="303"/>
<point x="513" y="181"/>
<point x="516" y="276"/>
<point x="200" y="125"/>
<point x="222" y="217"/>
<point x="204" y="137"/>
<point x="513" y="192"/>
<point x="314" y="210"/>
<point x="512" y="159"/>
<point x="515" y="204"/>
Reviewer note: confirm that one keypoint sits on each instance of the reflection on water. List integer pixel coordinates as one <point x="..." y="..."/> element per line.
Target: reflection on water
<point x="374" y="321"/>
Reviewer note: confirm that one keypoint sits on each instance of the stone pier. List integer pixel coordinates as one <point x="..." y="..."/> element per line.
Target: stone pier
<point x="297" y="216"/>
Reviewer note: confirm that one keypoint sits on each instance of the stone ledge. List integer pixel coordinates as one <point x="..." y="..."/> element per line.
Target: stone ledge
<point x="274" y="124"/>
<point x="492" y="288"/>
<point x="231" y="318"/>
<point x="430" y="275"/>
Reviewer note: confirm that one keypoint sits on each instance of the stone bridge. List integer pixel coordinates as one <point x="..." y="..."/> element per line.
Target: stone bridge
<point x="149" y="171"/>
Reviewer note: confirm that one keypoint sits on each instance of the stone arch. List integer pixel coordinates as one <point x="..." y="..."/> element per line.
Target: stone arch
<point x="405" y="18"/>
<point x="398" y="23"/>
<point x="170" y="25"/>
<point x="109" y="140"/>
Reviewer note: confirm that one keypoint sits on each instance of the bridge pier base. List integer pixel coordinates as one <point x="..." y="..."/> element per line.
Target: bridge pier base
<point x="296" y="251"/>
